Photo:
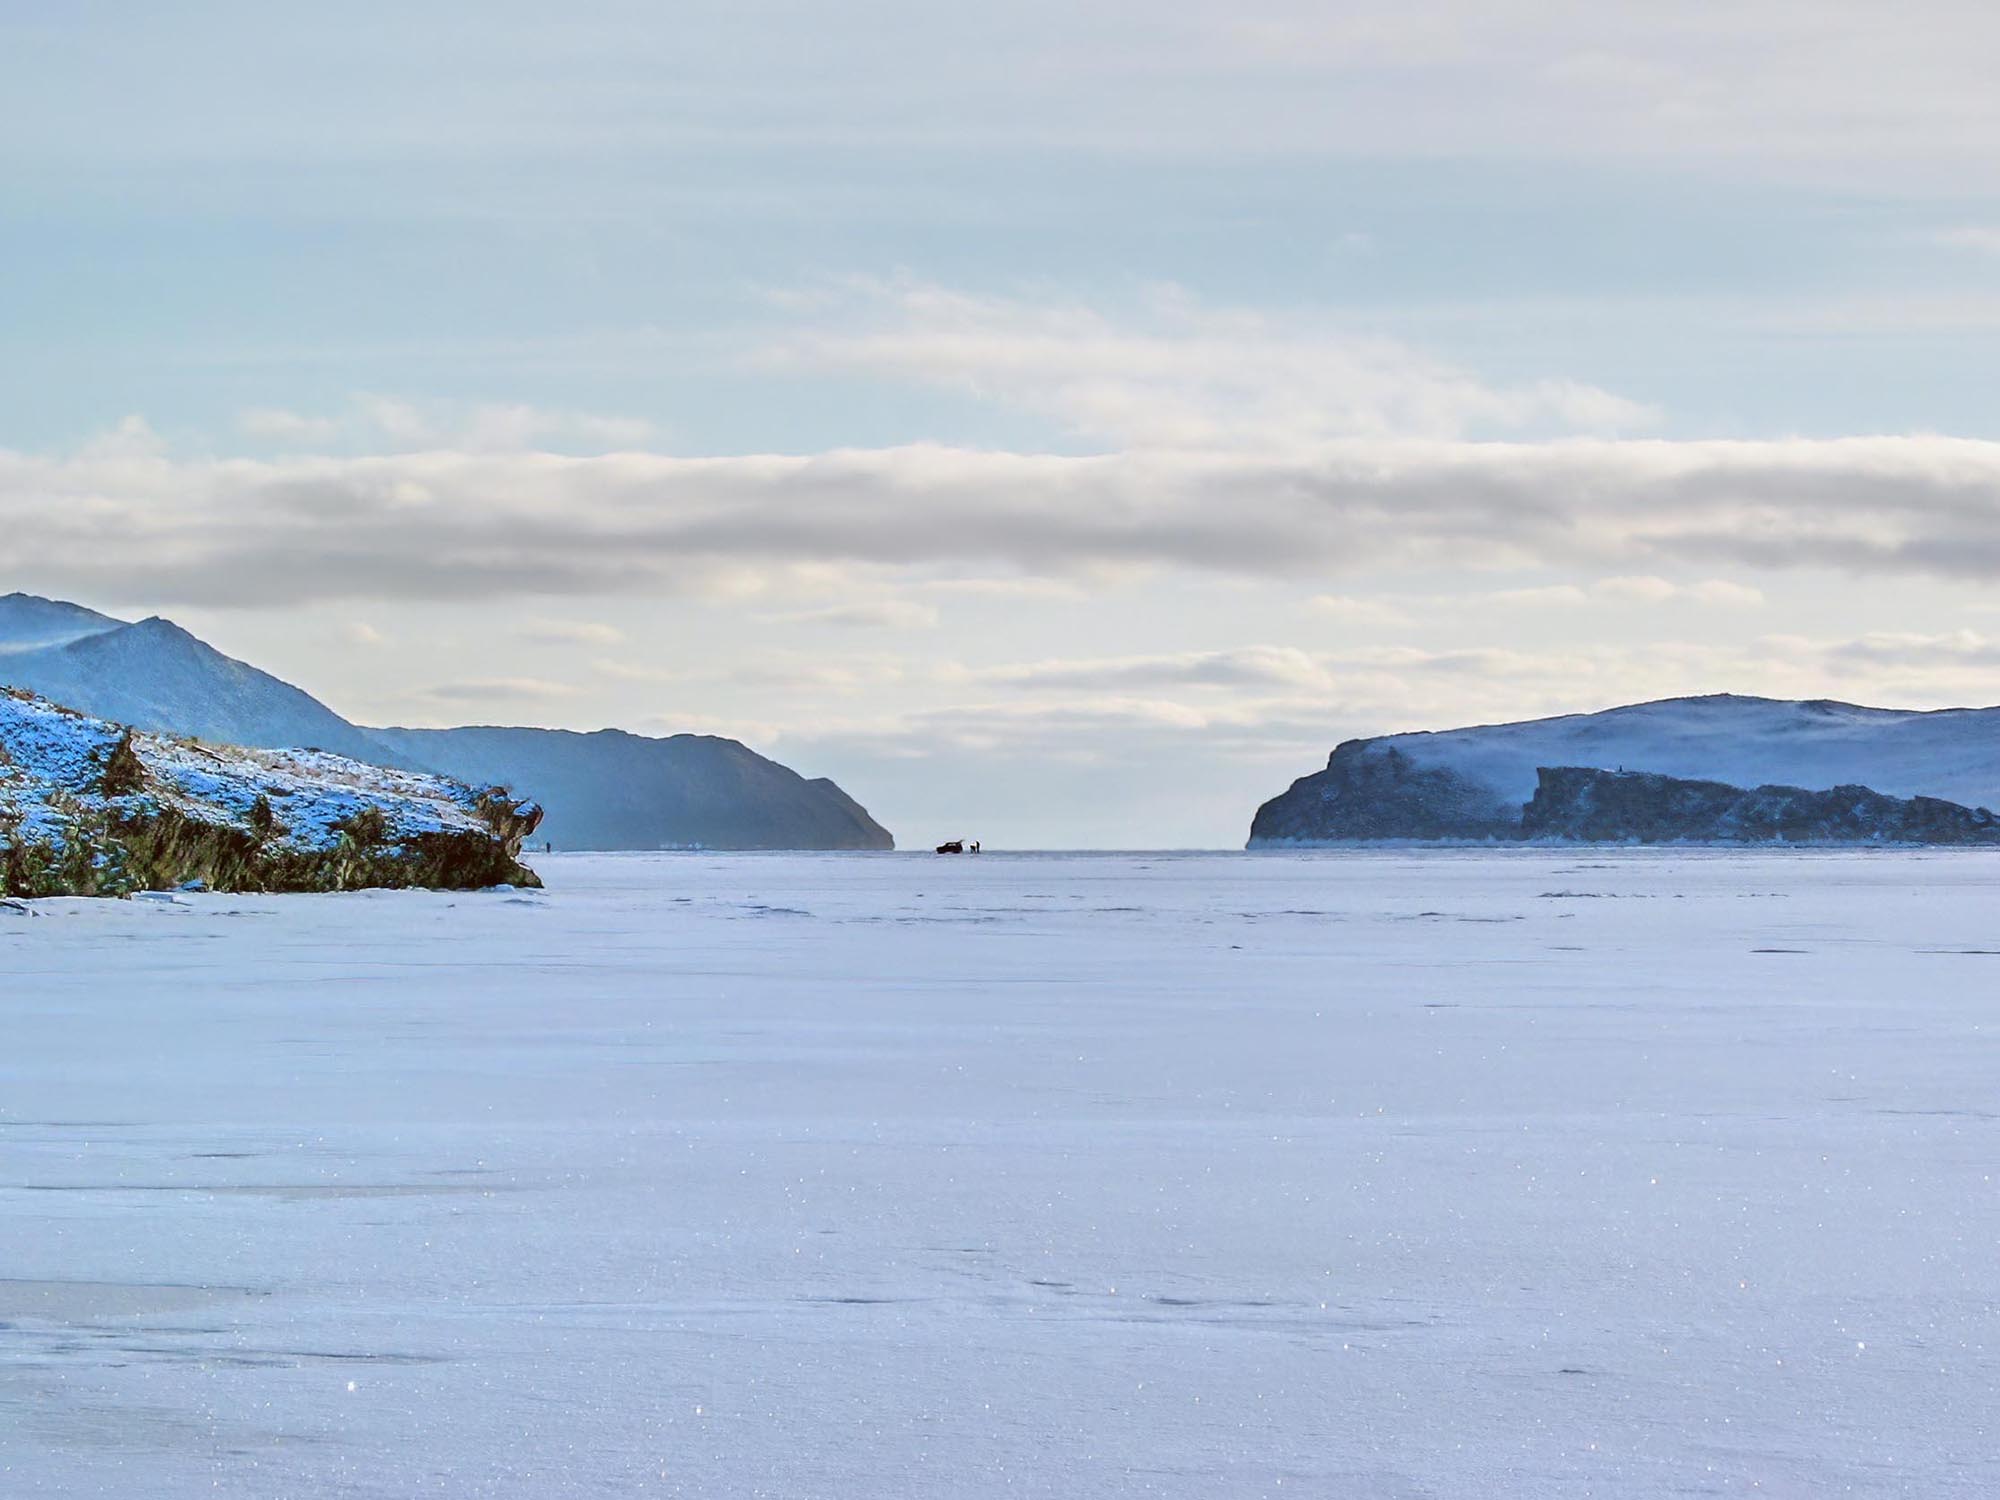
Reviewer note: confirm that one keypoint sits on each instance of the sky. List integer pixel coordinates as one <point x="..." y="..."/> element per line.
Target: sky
<point x="1060" y="423"/>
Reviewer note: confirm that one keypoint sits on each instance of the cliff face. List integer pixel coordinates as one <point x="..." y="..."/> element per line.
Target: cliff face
<point x="1575" y="802"/>
<point x="1374" y="791"/>
<point x="90" y="808"/>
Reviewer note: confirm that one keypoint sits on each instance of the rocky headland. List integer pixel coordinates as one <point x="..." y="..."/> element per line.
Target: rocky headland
<point x="1717" y="769"/>
<point x="92" y="808"/>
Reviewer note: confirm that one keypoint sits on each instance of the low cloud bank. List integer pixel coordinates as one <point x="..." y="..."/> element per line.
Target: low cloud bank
<point x="118" y="522"/>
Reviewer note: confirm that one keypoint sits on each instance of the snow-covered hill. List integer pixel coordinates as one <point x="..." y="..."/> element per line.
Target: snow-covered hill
<point x="1473" y="783"/>
<point x="91" y="808"/>
<point x="608" y="790"/>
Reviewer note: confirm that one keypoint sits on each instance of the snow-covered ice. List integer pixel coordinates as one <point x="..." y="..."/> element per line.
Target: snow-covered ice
<point x="1365" y="1175"/>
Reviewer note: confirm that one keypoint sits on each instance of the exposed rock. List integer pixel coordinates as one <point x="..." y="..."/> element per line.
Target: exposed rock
<point x="1576" y="802"/>
<point x="1470" y="784"/>
<point x="1372" y="791"/>
<point x="90" y="808"/>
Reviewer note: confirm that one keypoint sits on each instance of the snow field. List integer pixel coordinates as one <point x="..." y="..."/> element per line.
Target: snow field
<point x="1379" y="1175"/>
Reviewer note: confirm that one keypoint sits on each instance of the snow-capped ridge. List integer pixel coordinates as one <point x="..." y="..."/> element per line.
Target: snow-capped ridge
<point x="1473" y="782"/>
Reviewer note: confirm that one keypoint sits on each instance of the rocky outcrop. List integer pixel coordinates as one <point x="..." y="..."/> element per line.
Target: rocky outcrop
<point x="1374" y="792"/>
<point x="1471" y="784"/>
<point x="91" y="808"/>
<point x="1576" y="802"/>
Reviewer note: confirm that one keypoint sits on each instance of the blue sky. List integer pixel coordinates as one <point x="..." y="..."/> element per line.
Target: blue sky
<point x="1062" y="423"/>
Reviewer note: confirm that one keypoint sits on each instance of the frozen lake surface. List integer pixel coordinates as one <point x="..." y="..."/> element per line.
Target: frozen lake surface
<point x="1368" y="1176"/>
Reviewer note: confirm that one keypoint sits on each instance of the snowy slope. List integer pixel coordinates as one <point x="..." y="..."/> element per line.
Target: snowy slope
<point x="1369" y="785"/>
<point x="28" y="623"/>
<point x="155" y="675"/>
<point x="90" y="808"/>
<point x="613" y="790"/>
<point x="1950" y="753"/>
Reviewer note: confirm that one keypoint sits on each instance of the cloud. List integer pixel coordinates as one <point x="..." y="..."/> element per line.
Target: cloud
<point x="1103" y="729"/>
<point x="1556" y="596"/>
<point x="1624" y="589"/>
<point x="1899" y="648"/>
<point x="455" y="525"/>
<point x="130" y="440"/>
<point x="1982" y="239"/>
<point x="1008" y="588"/>
<point x="374" y="421"/>
<point x="1359" y="611"/>
<point x="1721" y="591"/>
<point x="286" y="426"/>
<point x="1243" y="667"/>
<point x="1637" y="589"/>
<point x="814" y="674"/>
<point x="1363" y="611"/>
<point x="1176" y="373"/>
<point x="1755" y="84"/>
<point x="881" y="614"/>
<point x="500" y="689"/>
<point x="546" y="632"/>
<point x="619" y="671"/>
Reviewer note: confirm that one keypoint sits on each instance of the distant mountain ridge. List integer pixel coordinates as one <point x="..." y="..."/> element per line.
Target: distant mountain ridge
<point x="614" y="790"/>
<point x="28" y="622"/>
<point x="1475" y="783"/>
<point x="608" y="790"/>
<point x="155" y="675"/>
